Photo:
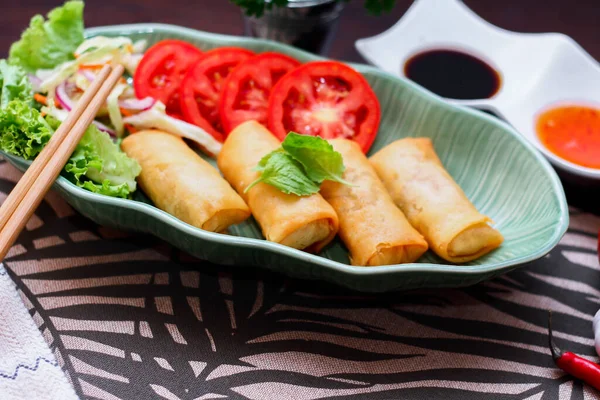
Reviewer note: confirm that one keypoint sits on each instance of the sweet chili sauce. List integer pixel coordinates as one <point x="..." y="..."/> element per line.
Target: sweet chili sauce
<point x="573" y="133"/>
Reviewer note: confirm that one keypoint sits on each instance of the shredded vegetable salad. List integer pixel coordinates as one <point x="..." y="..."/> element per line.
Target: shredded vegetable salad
<point x="59" y="88"/>
<point x="63" y="85"/>
<point x="46" y="74"/>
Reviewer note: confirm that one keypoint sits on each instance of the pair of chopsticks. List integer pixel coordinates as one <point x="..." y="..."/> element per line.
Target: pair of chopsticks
<point x="31" y="188"/>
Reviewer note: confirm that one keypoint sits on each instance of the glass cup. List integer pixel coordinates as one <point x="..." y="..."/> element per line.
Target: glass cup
<point x="307" y="24"/>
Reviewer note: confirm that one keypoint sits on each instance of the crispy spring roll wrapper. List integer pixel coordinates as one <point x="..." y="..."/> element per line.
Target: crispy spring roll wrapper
<point x="433" y="203"/>
<point x="181" y="183"/>
<point x="374" y="230"/>
<point x="306" y="222"/>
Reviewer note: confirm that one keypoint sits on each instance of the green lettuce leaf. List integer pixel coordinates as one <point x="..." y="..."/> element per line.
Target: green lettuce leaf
<point x="319" y="159"/>
<point x="98" y="165"/>
<point x="23" y="131"/>
<point x="48" y="43"/>
<point x="282" y="171"/>
<point x="14" y="85"/>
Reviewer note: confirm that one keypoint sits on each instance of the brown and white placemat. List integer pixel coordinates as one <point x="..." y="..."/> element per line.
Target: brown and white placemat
<point x="128" y="317"/>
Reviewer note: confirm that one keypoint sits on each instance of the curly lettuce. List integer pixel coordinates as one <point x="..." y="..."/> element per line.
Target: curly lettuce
<point x="14" y="85"/>
<point x="23" y="131"/>
<point x="98" y="165"/>
<point x="48" y="43"/>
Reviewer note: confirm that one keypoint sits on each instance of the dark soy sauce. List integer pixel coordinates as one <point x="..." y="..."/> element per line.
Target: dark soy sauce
<point x="453" y="74"/>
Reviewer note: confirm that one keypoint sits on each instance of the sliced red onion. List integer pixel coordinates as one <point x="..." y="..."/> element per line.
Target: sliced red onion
<point x="61" y="115"/>
<point x="35" y="82"/>
<point x="89" y="75"/>
<point x="137" y="104"/>
<point x="105" y="128"/>
<point x="63" y="97"/>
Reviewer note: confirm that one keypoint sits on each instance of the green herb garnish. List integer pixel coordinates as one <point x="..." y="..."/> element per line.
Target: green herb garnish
<point x="282" y="171"/>
<point x="300" y="165"/>
<point x="320" y="161"/>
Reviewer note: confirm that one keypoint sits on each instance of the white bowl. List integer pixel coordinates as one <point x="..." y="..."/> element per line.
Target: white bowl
<point x="538" y="71"/>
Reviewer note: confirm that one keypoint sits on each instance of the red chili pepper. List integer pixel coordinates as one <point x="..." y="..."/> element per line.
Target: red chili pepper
<point x="571" y="363"/>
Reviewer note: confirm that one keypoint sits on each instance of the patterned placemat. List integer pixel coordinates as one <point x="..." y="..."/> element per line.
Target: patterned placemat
<point x="129" y="317"/>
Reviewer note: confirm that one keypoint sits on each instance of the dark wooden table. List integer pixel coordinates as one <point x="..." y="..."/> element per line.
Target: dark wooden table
<point x="576" y="18"/>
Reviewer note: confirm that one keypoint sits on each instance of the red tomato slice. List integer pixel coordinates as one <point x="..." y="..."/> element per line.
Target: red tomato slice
<point x="201" y="88"/>
<point x="246" y="92"/>
<point x="161" y="71"/>
<point x="326" y="99"/>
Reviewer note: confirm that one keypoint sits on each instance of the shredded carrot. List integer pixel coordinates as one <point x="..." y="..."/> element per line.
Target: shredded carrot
<point x="125" y="112"/>
<point x="40" y="99"/>
<point x="131" y="128"/>
<point x="92" y="66"/>
<point x="43" y="114"/>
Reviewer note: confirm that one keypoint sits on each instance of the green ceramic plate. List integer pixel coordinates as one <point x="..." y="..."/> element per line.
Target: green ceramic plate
<point x="504" y="176"/>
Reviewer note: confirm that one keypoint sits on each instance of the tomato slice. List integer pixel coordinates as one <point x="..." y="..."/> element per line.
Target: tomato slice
<point x="161" y="71"/>
<point x="246" y="91"/>
<point x="326" y="99"/>
<point x="199" y="93"/>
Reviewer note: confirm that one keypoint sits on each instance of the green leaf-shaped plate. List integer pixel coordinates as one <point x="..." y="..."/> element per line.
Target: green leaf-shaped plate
<point x="504" y="176"/>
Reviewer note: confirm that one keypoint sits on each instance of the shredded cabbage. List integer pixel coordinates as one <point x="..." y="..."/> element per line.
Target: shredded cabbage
<point x="99" y="42"/>
<point x="114" y="113"/>
<point x="156" y="117"/>
<point x="96" y="51"/>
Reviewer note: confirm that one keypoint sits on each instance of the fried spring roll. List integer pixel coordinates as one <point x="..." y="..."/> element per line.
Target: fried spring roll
<point x="374" y="230"/>
<point x="433" y="203"/>
<point x="306" y="222"/>
<point x="181" y="183"/>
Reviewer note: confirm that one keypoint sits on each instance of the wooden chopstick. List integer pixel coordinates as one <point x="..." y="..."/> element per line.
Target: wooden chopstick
<point x="34" y="170"/>
<point x="51" y="160"/>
